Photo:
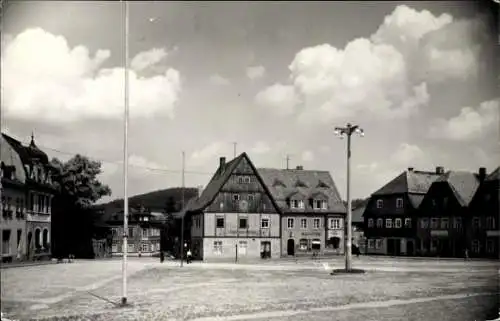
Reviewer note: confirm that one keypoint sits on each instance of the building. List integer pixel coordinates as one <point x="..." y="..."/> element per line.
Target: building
<point x="312" y="210"/>
<point x="143" y="232"/>
<point x="358" y="226"/>
<point x="482" y="229"/>
<point x="443" y="214"/>
<point x="27" y="193"/>
<point x="391" y="212"/>
<point x="235" y="216"/>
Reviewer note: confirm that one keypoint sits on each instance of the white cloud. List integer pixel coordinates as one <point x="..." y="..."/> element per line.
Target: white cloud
<point x="61" y="84"/>
<point x="219" y="80"/>
<point x="280" y="98"/>
<point x="385" y="75"/>
<point x="256" y="72"/>
<point x="307" y="156"/>
<point x="469" y="124"/>
<point x="208" y="155"/>
<point x="260" y="148"/>
<point x="408" y="155"/>
<point x="148" y="58"/>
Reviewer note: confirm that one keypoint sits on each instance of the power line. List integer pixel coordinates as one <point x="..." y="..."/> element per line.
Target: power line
<point x="164" y="170"/>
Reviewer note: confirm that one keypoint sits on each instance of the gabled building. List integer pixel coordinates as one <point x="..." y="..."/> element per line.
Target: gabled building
<point x="443" y="214"/>
<point x="312" y="211"/>
<point x="391" y="212"/>
<point x="235" y="216"/>
<point x="482" y="230"/>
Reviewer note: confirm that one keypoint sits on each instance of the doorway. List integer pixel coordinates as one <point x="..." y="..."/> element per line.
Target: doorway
<point x="290" y="247"/>
<point x="265" y="249"/>
<point x="410" y="248"/>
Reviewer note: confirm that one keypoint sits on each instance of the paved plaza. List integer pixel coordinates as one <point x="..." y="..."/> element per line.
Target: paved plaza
<point x="392" y="289"/>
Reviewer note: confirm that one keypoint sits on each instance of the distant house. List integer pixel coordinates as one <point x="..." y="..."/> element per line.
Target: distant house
<point x="443" y="214"/>
<point x="483" y="231"/>
<point x="391" y="212"/>
<point x="26" y="205"/>
<point x="235" y="216"/>
<point x="312" y="212"/>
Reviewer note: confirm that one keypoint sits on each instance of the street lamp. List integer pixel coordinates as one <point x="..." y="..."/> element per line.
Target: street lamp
<point x="342" y="132"/>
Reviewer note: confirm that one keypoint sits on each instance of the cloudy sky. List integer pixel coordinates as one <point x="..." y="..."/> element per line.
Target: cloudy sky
<point x="276" y="78"/>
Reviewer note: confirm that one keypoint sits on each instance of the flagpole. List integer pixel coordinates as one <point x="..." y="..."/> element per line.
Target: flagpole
<point x="125" y="158"/>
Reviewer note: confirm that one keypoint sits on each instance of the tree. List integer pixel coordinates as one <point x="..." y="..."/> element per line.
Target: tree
<point x="72" y="220"/>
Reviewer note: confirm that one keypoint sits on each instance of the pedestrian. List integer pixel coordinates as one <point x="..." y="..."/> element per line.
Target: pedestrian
<point x="162" y="256"/>
<point x="188" y="256"/>
<point x="466" y="254"/>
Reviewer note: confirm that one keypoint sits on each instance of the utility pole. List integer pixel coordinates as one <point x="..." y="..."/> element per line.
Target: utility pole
<point x="234" y="149"/>
<point x="342" y="132"/>
<point x="125" y="158"/>
<point x="287" y="161"/>
<point x="182" y="209"/>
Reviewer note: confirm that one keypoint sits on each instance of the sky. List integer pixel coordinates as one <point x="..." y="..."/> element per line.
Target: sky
<point x="276" y="78"/>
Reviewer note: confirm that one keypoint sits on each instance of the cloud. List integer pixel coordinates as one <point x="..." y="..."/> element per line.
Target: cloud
<point x="469" y="124"/>
<point x="148" y="58"/>
<point x="260" y="148"/>
<point x="61" y="84"/>
<point x="219" y="80"/>
<point x="280" y="98"/>
<point x="408" y="155"/>
<point x="307" y="156"/>
<point x="256" y="72"/>
<point x="385" y="75"/>
<point x="208" y="155"/>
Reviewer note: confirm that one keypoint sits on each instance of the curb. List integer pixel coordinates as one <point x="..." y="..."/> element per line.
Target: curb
<point x="18" y="265"/>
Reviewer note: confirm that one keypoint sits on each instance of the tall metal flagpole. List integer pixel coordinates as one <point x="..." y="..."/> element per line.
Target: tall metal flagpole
<point x="182" y="209"/>
<point x="125" y="159"/>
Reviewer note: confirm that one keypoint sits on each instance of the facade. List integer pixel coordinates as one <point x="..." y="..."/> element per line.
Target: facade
<point x="235" y="217"/>
<point x="143" y="233"/>
<point x="27" y="193"/>
<point x="312" y="212"/>
<point x="443" y="214"/>
<point x="482" y="229"/>
<point x="391" y="213"/>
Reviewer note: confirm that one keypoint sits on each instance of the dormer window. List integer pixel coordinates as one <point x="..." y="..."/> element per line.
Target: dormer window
<point x="380" y="203"/>
<point x="297" y="204"/>
<point x="321" y="184"/>
<point x="277" y="182"/>
<point x="300" y="184"/>
<point x="320" y="205"/>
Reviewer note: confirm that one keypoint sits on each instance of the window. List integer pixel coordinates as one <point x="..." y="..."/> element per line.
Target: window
<point x="243" y="222"/>
<point x="408" y="222"/>
<point x="380" y="203"/>
<point x="303" y="244"/>
<point x="319" y="204"/>
<point x="6" y="242"/>
<point x="264" y="223"/>
<point x="490" y="246"/>
<point x="144" y="232"/>
<point x="334" y="223"/>
<point x="397" y="223"/>
<point x="19" y="235"/>
<point x="457" y="223"/>
<point x="131" y="248"/>
<point x="247" y="179"/>
<point x="244" y="179"/>
<point x="316" y="223"/>
<point x="303" y="223"/>
<point x="490" y="222"/>
<point x="294" y="204"/>
<point x="380" y="223"/>
<point x="301" y="204"/>
<point x="217" y="247"/>
<point x="388" y="223"/>
<point x="371" y="243"/>
<point x="434" y="223"/>
<point x="219" y="222"/>
<point x="251" y="197"/>
<point x="316" y="244"/>
<point x="324" y="205"/>
<point x="399" y="203"/>
<point x="476" y="222"/>
<point x="242" y="247"/>
<point x="290" y="222"/>
<point x="130" y="232"/>
<point x="236" y="197"/>
<point x="370" y="222"/>
<point x="424" y="223"/>
<point x="198" y="222"/>
<point x="379" y="244"/>
<point x="476" y="246"/>
<point x="145" y="247"/>
<point x="445" y="223"/>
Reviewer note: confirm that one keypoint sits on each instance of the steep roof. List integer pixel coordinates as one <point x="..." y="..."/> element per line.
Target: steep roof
<point x="9" y="156"/>
<point x="217" y="182"/>
<point x="357" y="212"/>
<point x="313" y="181"/>
<point x="494" y="176"/>
<point x="463" y="184"/>
<point x="415" y="182"/>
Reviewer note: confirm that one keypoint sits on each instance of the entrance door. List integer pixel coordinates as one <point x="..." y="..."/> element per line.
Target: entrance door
<point x="409" y="248"/>
<point x="265" y="251"/>
<point x="390" y="246"/>
<point x="290" y="247"/>
<point x="397" y="247"/>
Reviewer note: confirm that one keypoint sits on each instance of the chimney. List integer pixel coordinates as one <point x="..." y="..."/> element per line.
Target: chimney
<point x="410" y="169"/>
<point x="482" y="174"/>
<point x="440" y="170"/>
<point x="222" y="162"/>
<point x="300" y="167"/>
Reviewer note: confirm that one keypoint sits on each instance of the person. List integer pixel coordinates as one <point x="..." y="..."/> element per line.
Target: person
<point x="466" y="254"/>
<point x="162" y="256"/>
<point x="188" y="256"/>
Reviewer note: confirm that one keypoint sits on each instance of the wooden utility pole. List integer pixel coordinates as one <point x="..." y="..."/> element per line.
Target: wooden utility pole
<point x="234" y="149"/>
<point x="287" y="161"/>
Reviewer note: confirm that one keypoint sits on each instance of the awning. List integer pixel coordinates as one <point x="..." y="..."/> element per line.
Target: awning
<point x="316" y="242"/>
